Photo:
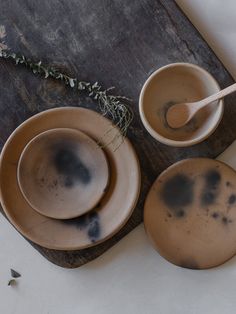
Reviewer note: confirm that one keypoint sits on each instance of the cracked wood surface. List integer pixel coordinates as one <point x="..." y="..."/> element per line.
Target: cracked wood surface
<point x="117" y="43"/>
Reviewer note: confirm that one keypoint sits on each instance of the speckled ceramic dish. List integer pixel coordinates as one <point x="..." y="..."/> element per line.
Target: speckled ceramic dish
<point x="90" y="229"/>
<point x="63" y="173"/>
<point x="178" y="83"/>
<point x="190" y="213"/>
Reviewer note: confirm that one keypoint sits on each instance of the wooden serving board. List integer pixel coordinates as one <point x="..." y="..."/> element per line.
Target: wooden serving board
<point x="117" y="43"/>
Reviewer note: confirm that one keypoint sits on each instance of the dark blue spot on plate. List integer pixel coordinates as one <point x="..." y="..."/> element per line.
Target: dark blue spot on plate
<point x="210" y="190"/>
<point x="232" y="199"/>
<point x="215" y="215"/>
<point x="88" y="222"/>
<point x="177" y="193"/>
<point x="213" y="178"/>
<point x="180" y="213"/>
<point x="94" y="229"/>
<point x="79" y="222"/>
<point x="68" y="164"/>
<point x="208" y="198"/>
<point x="226" y="220"/>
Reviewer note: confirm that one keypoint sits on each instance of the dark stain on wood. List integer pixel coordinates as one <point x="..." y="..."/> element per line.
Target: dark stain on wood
<point x="118" y="43"/>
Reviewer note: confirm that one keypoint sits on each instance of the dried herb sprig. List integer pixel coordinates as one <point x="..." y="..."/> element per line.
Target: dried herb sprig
<point x="110" y="105"/>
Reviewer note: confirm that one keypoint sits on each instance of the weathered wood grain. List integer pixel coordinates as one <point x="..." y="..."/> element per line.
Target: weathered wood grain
<point x="116" y="43"/>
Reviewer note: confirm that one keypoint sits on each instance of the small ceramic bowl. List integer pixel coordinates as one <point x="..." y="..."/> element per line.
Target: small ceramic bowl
<point x="62" y="173"/>
<point x="178" y="83"/>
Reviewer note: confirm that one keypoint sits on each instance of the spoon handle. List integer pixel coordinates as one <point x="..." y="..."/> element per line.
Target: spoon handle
<point x="224" y="92"/>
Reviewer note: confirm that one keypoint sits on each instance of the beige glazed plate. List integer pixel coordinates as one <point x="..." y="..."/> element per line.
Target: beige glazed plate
<point x="62" y="173"/>
<point x="190" y="213"/>
<point x="111" y="213"/>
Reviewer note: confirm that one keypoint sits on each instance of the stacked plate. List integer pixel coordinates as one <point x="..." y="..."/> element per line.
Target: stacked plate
<point x="59" y="188"/>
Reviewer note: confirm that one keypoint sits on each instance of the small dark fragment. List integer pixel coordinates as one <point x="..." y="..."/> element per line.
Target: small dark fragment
<point x="15" y="274"/>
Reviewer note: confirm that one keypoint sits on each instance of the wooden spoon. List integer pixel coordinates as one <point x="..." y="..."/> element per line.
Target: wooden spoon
<point x="180" y="114"/>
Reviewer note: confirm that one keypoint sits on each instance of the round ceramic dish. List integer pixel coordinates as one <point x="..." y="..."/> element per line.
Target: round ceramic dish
<point x="62" y="173"/>
<point x="90" y="229"/>
<point x="190" y="213"/>
<point x="178" y="83"/>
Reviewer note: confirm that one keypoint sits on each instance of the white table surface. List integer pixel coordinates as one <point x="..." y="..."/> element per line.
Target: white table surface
<point x="131" y="277"/>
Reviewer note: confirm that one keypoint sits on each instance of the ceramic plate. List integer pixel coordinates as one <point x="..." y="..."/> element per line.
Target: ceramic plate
<point x="100" y="224"/>
<point x="190" y="213"/>
<point x="63" y="173"/>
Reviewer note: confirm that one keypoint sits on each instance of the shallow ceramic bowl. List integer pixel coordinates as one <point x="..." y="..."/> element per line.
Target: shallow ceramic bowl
<point x="178" y="83"/>
<point x="62" y="173"/>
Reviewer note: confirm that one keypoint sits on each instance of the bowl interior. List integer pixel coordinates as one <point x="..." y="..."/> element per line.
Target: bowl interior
<point x="62" y="173"/>
<point x="176" y="84"/>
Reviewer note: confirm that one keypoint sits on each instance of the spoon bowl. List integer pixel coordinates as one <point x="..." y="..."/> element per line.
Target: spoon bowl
<point x="180" y="114"/>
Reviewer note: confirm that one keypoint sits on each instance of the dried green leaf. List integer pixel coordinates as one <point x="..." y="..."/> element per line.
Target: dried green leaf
<point x="15" y="274"/>
<point x="11" y="282"/>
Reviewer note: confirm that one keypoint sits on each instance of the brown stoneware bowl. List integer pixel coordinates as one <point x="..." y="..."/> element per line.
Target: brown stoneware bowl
<point x="178" y="83"/>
